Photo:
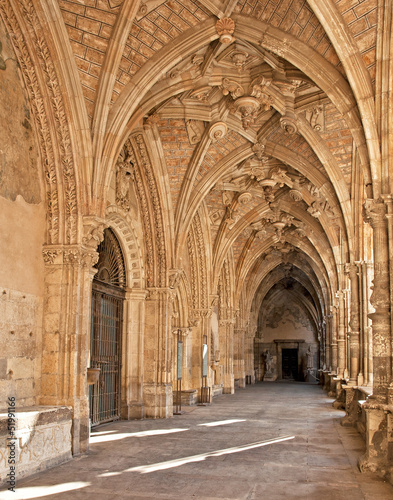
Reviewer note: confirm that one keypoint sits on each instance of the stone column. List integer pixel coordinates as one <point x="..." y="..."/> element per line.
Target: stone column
<point x="157" y="386"/>
<point x="133" y="355"/>
<point x="66" y="332"/>
<point x="249" y="353"/>
<point x="328" y="350"/>
<point x="341" y="334"/>
<point x="375" y="211"/>
<point x="389" y="216"/>
<point x="201" y="328"/>
<point x="334" y="339"/>
<point x="368" y="276"/>
<point x="238" y="360"/>
<point x="354" y="334"/>
<point x="226" y="349"/>
<point x="379" y="447"/>
<point x="65" y="342"/>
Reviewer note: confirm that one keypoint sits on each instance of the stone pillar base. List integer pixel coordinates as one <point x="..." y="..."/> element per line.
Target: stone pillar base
<point x="351" y="406"/>
<point x="242" y="383"/>
<point x="377" y="457"/>
<point x="133" y="411"/>
<point x="339" y="404"/>
<point x="158" y="400"/>
<point x="333" y="385"/>
<point x="229" y="384"/>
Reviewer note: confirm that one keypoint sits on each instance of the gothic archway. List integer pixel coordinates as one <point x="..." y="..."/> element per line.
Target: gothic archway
<point x="108" y="293"/>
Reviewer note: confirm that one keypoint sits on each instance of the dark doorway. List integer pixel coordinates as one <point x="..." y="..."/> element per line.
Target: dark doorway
<point x="290" y="370"/>
<point x="106" y="331"/>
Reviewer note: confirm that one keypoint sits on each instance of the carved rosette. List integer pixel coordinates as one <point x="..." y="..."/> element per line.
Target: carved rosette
<point x="225" y="28"/>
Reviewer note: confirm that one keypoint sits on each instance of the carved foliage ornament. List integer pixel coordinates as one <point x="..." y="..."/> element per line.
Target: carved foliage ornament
<point x="61" y="125"/>
<point x="40" y="116"/>
<point x="232" y="87"/>
<point x="225" y="28"/>
<point x="93" y="233"/>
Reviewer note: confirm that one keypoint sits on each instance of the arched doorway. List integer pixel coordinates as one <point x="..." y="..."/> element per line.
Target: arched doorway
<point x="108" y="292"/>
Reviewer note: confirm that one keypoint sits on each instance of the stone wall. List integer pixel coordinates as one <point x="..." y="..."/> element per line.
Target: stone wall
<point x="42" y="439"/>
<point x="22" y="236"/>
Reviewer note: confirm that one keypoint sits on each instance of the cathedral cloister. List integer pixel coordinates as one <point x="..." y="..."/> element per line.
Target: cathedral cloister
<point x="195" y="197"/>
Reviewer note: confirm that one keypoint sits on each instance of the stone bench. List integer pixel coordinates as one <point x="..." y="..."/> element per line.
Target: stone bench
<point x="42" y="439"/>
<point x="356" y="397"/>
<point x="189" y="397"/>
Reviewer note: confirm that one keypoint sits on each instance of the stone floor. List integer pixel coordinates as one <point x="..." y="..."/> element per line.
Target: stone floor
<point x="270" y="441"/>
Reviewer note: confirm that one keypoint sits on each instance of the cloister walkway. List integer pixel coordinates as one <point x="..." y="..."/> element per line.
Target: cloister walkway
<point x="269" y="441"/>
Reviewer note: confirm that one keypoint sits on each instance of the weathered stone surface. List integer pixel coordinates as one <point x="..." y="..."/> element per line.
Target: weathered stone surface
<point x="42" y="437"/>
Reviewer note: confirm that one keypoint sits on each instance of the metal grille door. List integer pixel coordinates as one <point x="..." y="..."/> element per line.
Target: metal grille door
<point x="107" y="312"/>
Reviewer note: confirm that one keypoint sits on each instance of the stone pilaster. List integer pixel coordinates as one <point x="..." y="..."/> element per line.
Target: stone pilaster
<point x="334" y="339"/>
<point x="157" y="383"/>
<point x="354" y="323"/>
<point x="249" y="353"/>
<point x="226" y="344"/>
<point x="239" y="361"/>
<point x="389" y="216"/>
<point x="341" y="334"/>
<point x="133" y="355"/>
<point x="368" y="276"/>
<point x="328" y="351"/>
<point x="67" y="315"/>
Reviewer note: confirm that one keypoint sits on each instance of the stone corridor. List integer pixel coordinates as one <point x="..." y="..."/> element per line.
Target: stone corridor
<point x="270" y="441"/>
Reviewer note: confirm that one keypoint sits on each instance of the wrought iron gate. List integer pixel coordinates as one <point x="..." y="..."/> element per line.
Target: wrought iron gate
<point x="106" y="331"/>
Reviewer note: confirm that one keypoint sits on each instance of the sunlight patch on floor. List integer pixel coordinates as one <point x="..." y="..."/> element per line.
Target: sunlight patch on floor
<point x="41" y="491"/>
<point x="144" y="469"/>
<point x="223" y="422"/>
<point x="123" y="435"/>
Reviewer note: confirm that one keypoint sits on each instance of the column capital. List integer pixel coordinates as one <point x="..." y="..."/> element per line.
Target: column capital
<point x="183" y="330"/>
<point x="136" y="293"/>
<point x="155" y="293"/>
<point x="374" y="212"/>
<point x="71" y="255"/>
